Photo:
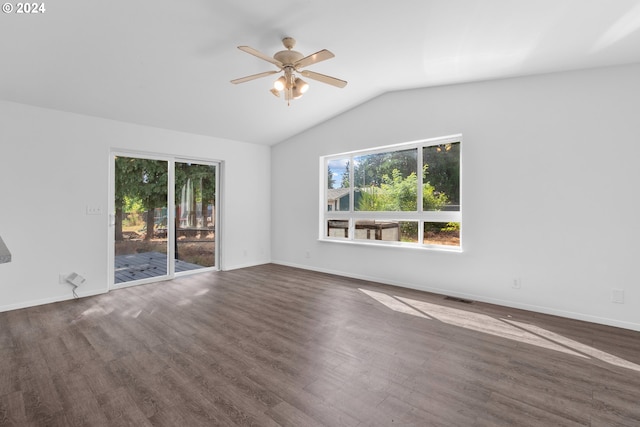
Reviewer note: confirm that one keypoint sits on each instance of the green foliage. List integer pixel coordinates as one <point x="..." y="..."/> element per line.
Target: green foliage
<point x="443" y="170"/>
<point x="396" y="193"/>
<point x="451" y="226"/>
<point x="132" y="205"/>
<point x="199" y="174"/>
<point x="133" y="208"/>
<point x="143" y="179"/>
<point x="198" y="181"/>
<point x="370" y="200"/>
<point x="370" y="168"/>
<point x="432" y="200"/>
<point x="409" y="231"/>
<point x="142" y="183"/>
<point x="436" y="227"/>
<point x="141" y="186"/>
<point x="399" y="194"/>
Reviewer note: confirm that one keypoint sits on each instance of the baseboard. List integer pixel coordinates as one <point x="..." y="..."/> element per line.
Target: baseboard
<point x="34" y="303"/>
<point x="505" y="303"/>
<point x="247" y="265"/>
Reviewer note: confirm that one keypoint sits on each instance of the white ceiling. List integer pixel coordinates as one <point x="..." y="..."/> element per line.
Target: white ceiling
<point x="168" y="63"/>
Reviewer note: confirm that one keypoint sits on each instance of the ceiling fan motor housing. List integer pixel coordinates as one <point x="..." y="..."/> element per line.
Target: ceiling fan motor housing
<point x="288" y="57"/>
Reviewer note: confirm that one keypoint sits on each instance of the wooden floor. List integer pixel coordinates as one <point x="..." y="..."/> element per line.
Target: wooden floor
<point x="272" y="345"/>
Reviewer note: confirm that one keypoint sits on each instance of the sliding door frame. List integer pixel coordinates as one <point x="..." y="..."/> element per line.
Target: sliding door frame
<point x="216" y="243"/>
<point x="171" y="231"/>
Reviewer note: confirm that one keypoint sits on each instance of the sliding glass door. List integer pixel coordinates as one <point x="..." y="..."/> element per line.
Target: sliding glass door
<point x="150" y="241"/>
<point x="195" y="216"/>
<point x="141" y="200"/>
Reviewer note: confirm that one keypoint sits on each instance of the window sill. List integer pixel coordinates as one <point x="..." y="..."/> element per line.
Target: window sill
<point x="395" y="245"/>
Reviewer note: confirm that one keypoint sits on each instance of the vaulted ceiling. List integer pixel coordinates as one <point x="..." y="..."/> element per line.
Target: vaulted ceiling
<point x="168" y="63"/>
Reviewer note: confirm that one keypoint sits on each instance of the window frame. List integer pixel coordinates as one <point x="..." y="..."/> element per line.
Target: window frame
<point x="421" y="216"/>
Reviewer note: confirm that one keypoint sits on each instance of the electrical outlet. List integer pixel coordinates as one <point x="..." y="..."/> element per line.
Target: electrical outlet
<point x="307" y="254"/>
<point x="517" y="283"/>
<point x="62" y="279"/>
<point x="75" y="279"/>
<point x="617" y="296"/>
<point x="94" y="210"/>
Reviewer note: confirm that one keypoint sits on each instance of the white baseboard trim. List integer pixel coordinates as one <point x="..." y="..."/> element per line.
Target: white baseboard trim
<point x="34" y="303"/>
<point x="505" y="303"/>
<point x="247" y="265"/>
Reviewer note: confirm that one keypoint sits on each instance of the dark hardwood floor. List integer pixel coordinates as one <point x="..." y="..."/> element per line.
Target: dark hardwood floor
<point x="273" y="345"/>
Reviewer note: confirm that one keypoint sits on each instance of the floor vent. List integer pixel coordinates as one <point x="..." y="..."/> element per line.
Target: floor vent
<point x="466" y="301"/>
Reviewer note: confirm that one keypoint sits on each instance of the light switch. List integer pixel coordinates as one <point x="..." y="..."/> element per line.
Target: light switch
<point x="94" y="210"/>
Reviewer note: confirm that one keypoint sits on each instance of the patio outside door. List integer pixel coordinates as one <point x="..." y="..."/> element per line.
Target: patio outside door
<point x="150" y="241"/>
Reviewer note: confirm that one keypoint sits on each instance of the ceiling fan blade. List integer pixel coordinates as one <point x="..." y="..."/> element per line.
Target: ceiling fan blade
<point x="261" y="55"/>
<point x="324" y="79"/>
<point x="321" y="55"/>
<point x="253" y="77"/>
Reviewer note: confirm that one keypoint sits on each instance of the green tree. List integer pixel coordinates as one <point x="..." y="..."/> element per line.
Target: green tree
<point x="134" y="209"/>
<point x="144" y="179"/>
<point x="370" y="168"/>
<point x="443" y="169"/>
<point x="203" y="181"/>
<point x="345" y="176"/>
<point x="120" y="194"/>
<point x="330" y="179"/>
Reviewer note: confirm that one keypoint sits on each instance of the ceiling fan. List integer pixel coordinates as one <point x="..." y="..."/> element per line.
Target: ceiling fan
<point x="291" y="62"/>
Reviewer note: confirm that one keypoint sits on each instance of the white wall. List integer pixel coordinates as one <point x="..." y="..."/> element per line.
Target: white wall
<point x="549" y="192"/>
<point x="53" y="164"/>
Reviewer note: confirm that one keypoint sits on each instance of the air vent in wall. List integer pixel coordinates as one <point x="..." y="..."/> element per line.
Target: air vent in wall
<point x="466" y="301"/>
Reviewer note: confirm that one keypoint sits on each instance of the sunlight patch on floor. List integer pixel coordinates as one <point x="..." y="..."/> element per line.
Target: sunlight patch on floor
<point x="504" y="328"/>
<point x="94" y="311"/>
<point x="583" y="348"/>
<point x="393" y="303"/>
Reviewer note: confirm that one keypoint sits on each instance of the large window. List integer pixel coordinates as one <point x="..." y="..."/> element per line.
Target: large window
<point x="405" y="195"/>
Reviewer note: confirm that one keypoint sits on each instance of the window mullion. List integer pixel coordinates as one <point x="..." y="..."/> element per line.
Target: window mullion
<point x="420" y="178"/>
<point x="351" y="184"/>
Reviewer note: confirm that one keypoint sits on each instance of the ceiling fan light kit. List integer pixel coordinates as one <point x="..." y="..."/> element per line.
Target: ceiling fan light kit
<point x="280" y="84"/>
<point x="291" y="62"/>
